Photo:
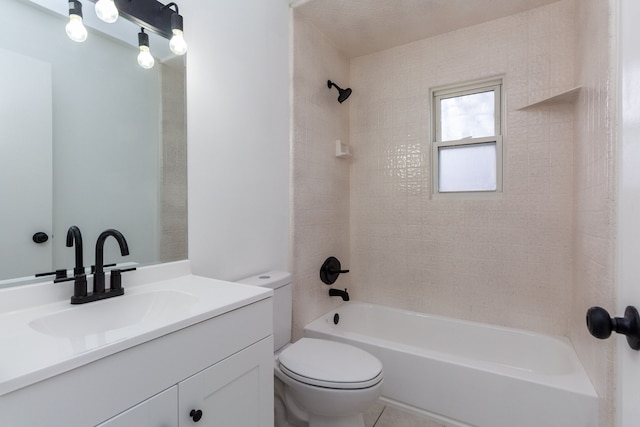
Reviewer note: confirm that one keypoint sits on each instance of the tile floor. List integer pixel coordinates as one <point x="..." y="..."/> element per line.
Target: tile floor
<point x="381" y="415"/>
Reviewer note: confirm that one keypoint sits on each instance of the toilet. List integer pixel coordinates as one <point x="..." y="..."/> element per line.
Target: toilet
<point x="318" y="383"/>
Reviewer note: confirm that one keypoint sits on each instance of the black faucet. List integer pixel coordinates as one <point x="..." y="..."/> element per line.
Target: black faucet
<point x="75" y="237"/>
<point x="80" y="293"/>
<point x="339" y="293"/>
<point x="98" y="276"/>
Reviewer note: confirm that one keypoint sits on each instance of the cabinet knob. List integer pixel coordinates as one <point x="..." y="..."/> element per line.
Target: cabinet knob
<point x="195" y="414"/>
<point x="40" y="237"/>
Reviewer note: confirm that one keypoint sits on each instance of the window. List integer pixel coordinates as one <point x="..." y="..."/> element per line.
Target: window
<point x="467" y="139"/>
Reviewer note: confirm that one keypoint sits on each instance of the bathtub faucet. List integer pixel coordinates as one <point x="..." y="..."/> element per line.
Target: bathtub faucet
<point x="339" y="293"/>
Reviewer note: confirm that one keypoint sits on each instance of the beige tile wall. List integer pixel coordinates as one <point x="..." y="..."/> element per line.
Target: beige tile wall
<point x="320" y="181"/>
<point x="594" y="193"/>
<point x="173" y="176"/>
<point x="534" y="258"/>
<point x="504" y="260"/>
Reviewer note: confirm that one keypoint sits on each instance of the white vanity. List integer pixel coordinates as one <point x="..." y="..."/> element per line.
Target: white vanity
<point x="175" y="350"/>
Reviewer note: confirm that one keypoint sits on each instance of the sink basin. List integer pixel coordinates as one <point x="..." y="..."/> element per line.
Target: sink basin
<point x="115" y="314"/>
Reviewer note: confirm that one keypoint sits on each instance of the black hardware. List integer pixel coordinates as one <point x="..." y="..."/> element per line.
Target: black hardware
<point x="75" y="237"/>
<point x="336" y="318"/>
<point x="93" y="267"/>
<point x="330" y="270"/>
<point x="116" y="279"/>
<point x="49" y="273"/>
<point x="600" y="325"/>
<point x="150" y="14"/>
<point x="339" y="293"/>
<point x="343" y="94"/>
<point x="98" y="276"/>
<point x="60" y="274"/>
<point x="79" y="288"/>
<point x="40" y="237"/>
<point x="81" y="295"/>
<point x="196" y="415"/>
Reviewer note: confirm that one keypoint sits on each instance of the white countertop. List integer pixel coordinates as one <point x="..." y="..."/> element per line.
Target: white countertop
<point x="43" y="335"/>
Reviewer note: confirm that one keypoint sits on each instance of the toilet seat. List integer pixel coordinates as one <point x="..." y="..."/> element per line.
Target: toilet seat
<point x="330" y="364"/>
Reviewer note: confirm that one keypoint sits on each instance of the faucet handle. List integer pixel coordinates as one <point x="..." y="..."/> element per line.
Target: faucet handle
<point x="116" y="279"/>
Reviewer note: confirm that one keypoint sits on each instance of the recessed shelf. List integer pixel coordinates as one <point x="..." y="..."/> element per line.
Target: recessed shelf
<point x="565" y="97"/>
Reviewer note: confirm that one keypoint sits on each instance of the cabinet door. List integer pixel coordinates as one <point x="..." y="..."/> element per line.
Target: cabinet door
<point x="236" y="392"/>
<point x="159" y="411"/>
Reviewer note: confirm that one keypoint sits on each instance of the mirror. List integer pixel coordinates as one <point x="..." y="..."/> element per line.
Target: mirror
<point x="87" y="138"/>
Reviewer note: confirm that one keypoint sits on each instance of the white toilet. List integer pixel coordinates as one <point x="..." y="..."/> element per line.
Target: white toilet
<point x="318" y="383"/>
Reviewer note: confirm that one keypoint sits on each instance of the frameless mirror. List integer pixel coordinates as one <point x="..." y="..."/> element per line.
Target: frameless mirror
<point x="87" y="138"/>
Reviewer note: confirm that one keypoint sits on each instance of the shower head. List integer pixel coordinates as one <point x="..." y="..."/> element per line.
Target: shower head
<point x="343" y="94"/>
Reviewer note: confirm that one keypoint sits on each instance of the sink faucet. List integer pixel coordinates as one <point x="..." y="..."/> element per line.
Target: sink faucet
<point x="75" y="237"/>
<point x="339" y="293"/>
<point x="98" y="276"/>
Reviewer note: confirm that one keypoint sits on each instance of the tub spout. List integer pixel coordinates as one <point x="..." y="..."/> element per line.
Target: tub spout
<point x="339" y="293"/>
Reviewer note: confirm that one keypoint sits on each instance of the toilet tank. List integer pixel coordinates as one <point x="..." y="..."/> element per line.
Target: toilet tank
<point x="280" y="282"/>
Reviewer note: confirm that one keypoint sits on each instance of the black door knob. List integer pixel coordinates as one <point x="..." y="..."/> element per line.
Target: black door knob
<point x="600" y="325"/>
<point x="196" y="415"/>
<point x="40" y="237"/>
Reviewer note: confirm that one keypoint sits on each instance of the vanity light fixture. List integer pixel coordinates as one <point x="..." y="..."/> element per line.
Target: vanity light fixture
<point x="177" y="43"/>
<point x="75" y="28"/>
<point x="145" y="59"/>
<point x="149" y="14"/>
<point x="107" y="11"/>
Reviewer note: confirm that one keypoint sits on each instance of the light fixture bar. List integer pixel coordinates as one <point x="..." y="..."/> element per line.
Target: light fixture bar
<point x="150" y="14"/>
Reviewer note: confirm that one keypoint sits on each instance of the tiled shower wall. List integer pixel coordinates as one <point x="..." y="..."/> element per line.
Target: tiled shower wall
<point x="594" y="192"/>
<point x="504" y="260"/>
<point x="320" y="181"/>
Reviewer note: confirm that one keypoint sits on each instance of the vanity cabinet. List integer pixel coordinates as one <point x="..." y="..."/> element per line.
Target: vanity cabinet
<point x="229" y="393"/>
<point x="232" y="392"/>
<point x="222" y="366"/>
<point x="158" y="411"/>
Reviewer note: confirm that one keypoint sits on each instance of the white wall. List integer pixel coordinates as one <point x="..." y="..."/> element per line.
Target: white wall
<point x="238" y="136"/>
<point x="627" y="388"/>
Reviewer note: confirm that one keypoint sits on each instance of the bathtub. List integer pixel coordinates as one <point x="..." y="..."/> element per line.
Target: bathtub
<point x="466" y="373"/>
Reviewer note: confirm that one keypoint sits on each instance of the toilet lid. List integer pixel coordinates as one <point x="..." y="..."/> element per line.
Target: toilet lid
<point x="330" y="364"/>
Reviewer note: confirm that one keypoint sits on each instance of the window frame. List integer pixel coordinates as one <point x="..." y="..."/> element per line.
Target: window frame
<point x="451" y="91"/>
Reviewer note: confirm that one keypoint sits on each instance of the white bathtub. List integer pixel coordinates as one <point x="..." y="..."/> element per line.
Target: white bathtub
<point x="468" y="373"/>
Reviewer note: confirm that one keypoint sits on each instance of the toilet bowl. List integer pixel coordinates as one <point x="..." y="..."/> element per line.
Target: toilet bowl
<point x="318" y="383"/>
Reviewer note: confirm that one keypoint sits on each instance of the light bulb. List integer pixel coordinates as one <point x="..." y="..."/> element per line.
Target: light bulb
<point x="177" y="43"/>
<point x="145" y="59"/>
<point x="107" y="11"/>
<point x="75" y="29"/>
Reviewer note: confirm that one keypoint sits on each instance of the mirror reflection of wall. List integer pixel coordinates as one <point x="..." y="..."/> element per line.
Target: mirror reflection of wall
<point x="118" y="146"/>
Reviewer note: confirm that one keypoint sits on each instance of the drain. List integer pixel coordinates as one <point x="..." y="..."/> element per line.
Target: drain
<point x="336" y="318"/>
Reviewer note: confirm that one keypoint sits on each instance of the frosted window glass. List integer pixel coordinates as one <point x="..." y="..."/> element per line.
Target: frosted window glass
<point x="467" y="168"/>
<point x="468" y="116"/>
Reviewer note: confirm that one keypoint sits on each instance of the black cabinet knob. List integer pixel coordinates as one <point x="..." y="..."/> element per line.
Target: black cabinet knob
<point x="196" y="415"/>
<point x="600" y="325"/>
<point x="40" y="237"/>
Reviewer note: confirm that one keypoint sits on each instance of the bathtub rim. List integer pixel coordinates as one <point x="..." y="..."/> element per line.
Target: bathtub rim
<point x="576" y="381"/>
